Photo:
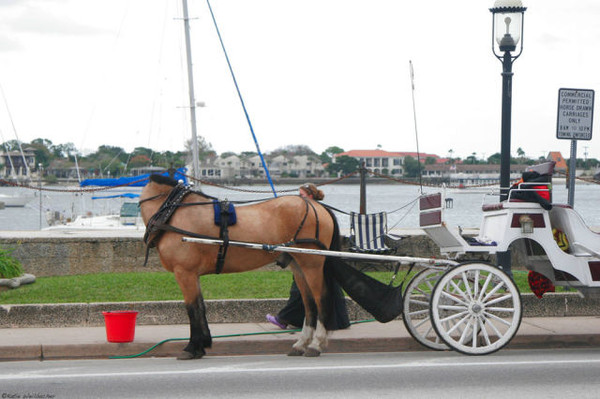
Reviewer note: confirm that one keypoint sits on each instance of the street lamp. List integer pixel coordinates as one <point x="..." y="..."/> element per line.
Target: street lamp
<point x="507" y="33"/>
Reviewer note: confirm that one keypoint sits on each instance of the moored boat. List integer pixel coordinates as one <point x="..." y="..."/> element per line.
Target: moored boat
<point x="15" y="200"/>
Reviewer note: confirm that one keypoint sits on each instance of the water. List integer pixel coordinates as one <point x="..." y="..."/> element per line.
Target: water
<point x="398" y="200"/>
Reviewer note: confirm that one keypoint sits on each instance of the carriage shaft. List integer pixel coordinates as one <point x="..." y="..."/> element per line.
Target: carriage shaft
<point x="322" y="252"/>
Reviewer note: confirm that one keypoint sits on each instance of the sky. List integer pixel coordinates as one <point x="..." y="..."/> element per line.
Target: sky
<point x="313" y="72"/>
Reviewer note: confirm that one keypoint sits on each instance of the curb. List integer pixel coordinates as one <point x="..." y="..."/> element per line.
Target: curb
<point x="280" y="346"/>
<point x="239" y="311"/>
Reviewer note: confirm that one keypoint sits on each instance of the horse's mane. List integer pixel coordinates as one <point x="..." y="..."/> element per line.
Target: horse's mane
<point x="161" y="179"/>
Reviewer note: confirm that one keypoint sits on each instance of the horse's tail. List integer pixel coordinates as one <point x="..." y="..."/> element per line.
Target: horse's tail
<point x="380" y="300"/>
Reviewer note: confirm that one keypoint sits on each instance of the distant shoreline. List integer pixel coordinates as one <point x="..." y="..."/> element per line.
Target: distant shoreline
<point x="353" y="180"/>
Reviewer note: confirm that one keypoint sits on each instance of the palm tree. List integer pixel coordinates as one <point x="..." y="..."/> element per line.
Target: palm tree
<point x="450" y="152"/>
<point x="521" y="154"/>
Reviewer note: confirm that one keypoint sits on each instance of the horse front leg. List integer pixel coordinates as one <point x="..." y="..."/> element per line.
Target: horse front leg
<point x="200" y="337"/>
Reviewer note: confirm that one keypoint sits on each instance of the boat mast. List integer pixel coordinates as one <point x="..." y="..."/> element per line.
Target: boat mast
<point x="188" y="50"/>
<point x="412" y="84"/>
<point x="12" y="166"/>
<point x="27" y="171"/>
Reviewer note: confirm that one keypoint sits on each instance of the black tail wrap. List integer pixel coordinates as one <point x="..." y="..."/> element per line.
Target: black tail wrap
<point x="382" y="301"/>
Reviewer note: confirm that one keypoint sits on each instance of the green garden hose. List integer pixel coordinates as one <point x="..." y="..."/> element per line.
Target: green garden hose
<point x="222" y="336"/>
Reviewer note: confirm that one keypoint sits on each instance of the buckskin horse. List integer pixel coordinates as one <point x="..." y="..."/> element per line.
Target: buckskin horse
<point x="171" y="210"/>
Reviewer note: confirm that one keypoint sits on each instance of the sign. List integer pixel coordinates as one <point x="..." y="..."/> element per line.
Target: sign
<point x="575" y="114"/>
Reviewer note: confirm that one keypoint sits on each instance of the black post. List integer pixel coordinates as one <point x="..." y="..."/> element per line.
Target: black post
<point x="363" y="189"/>
<point x="507" y="75"/>
<point x="504" y="258"/>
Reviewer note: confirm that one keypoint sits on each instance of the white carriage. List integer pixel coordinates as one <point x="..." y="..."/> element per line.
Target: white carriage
<point x="475" y="308"/>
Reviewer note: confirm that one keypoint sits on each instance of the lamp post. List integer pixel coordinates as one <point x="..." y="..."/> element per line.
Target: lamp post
<point x="507" y="32"/>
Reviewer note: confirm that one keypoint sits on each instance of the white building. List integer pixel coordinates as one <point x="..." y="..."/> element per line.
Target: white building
<point x="22" y="163"/>
<point x="384" y="162"/>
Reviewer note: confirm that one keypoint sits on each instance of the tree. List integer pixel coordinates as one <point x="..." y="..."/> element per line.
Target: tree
<point x="411" y="167"/>
<point x="327" y="155"/>
<point x="204" y="148"/>
<point x="521" y="154"/>
<point x="494" y="159"/>
<point x="430" y="161"/>
<point x="343" y="164"/>
<point x="11" y="145"/>
<point x="293" y="149"/>
<point x="63" y="150"/>
<point x="139" y="161"/>
<point x="472" y="158"/>
<point x="42" y="151"/>
<point x="142" y="151"/>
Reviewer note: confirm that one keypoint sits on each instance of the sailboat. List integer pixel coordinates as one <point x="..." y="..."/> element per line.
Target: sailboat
<point x="180" y="173"/>
<point x="128" y="217"/>
<point x="14" y="201"/>
<point x="10" y="198"/>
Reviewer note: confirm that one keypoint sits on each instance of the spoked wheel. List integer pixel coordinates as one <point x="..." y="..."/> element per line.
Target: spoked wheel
<point x="416" y="308"/>
<point x="476" y="308"/>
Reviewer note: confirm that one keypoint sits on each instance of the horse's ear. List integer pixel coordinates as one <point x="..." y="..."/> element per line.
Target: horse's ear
<point x="160" y="179"/>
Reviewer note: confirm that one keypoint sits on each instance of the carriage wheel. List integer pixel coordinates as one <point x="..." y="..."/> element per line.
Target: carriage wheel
<point x="476" y="308"/>
<point x="416" y="309"/>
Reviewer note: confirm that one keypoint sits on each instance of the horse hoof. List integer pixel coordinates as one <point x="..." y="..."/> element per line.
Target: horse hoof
<point x="189" y="356"/>
<point x="311" y="352"/>
<point x="295" y="352"/>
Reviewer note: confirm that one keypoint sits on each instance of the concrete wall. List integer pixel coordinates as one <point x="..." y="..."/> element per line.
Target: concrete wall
<point x="240" y="311"/>
<point x="59" y="254"/>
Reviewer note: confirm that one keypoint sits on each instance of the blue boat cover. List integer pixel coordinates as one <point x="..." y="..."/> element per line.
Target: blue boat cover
<point x="133" y="181"/>
<point x="124" y="195"/>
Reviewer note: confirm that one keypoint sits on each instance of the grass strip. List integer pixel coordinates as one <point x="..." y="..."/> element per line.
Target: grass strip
<point x="161" y="286"/>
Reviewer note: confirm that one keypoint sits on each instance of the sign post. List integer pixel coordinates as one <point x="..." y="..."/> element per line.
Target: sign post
<point x="574" y="122"/>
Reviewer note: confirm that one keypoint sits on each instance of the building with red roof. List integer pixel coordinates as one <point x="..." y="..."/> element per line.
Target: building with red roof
<point x="385" y="162"/>
<point x="561" y="164"/>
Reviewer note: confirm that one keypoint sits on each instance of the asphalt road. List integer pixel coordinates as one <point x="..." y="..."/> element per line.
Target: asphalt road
<point x="517" y="373"/>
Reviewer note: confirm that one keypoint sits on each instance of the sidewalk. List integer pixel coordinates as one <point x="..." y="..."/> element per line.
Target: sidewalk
<point x="264" y="338"/>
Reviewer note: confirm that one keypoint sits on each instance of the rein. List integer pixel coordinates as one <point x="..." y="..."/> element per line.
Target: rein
<point x="140" y="202"/>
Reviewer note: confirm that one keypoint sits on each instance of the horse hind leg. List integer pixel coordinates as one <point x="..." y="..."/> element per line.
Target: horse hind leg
<point x="314" y="277"/>
<point x="310" y="315"/>
<point x="319" y="338"/>
<point x="200" y="336"/>
<point x="319" y="341"/>
<point x="313" y="338"/>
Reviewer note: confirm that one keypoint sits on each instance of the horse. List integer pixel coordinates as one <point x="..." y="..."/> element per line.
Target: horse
<point x="171" y="210"/>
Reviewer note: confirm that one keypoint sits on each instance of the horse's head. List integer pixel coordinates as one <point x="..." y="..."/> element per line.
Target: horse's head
<point x="164" y="180"/>
<point x="154" y="194"/>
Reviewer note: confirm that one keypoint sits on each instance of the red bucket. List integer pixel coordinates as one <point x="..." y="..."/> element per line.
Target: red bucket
<point x="120" y="325"/>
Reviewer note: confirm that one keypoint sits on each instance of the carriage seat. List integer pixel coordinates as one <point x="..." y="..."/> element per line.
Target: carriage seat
<point x="369" y="233"/>
<point x="535" y="185"/>
<point x="582" y="241"/>
<point x="448" y="240"/>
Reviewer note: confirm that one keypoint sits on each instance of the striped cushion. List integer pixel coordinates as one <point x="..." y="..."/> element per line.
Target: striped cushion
<point x="367" y="232"/>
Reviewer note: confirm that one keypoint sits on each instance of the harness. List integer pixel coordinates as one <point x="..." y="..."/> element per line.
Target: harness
<point x="224" y="217"/>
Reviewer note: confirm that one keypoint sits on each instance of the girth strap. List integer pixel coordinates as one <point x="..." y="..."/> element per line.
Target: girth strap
<point x="223" y="235"/>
